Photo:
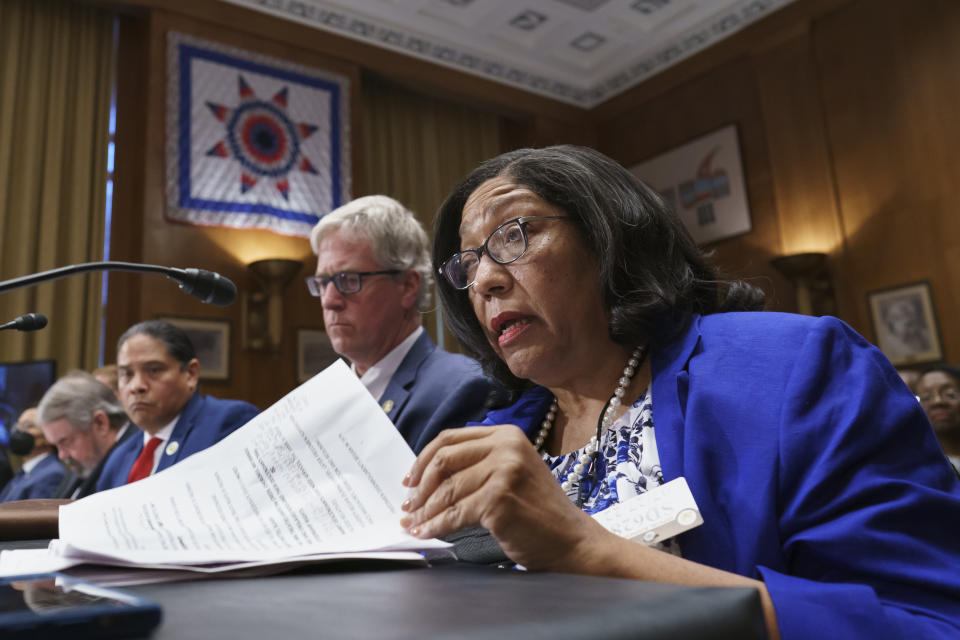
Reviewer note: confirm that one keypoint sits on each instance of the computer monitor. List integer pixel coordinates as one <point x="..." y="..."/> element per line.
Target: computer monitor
<point x="22" y="385"/>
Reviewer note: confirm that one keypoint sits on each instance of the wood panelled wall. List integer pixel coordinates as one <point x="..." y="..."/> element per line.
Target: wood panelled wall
<point x="846" y="111"/>
<point x="142" y="234"/>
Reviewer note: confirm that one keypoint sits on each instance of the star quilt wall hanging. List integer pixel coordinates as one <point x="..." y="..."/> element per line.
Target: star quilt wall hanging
<point x="253" y="142"/>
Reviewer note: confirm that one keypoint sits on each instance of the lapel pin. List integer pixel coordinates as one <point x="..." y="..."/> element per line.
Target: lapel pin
<point x="387" y="406"/>
<point x="172" y="448"/>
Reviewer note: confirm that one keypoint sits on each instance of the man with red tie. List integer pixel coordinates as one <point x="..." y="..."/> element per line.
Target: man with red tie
<point x="158" y="373"/>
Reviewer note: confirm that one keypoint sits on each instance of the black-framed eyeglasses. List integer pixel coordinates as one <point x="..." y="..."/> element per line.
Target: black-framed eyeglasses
<point x="506" y="244"/>
<point x="950" y="395"/>
<point x="346" y="282"/>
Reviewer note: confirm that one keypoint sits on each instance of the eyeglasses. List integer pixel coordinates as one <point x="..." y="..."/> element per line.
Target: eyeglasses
<point x="346" y="282"/>
<point x="951" y="395"/>
<point x="506" y="244"/>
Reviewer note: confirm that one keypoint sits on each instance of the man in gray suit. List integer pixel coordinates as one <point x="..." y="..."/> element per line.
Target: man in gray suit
<point x="84" y="419"/>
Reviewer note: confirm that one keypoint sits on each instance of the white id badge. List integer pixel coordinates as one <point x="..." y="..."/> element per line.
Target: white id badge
<point x="655" y="515"/>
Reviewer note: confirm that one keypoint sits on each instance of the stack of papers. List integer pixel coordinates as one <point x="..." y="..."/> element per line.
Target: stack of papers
<point x="314" y="478"/>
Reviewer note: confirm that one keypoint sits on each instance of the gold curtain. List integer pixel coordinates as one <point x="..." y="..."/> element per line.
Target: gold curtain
<point x="416" y="148"/>
<point x="56" y="70"/>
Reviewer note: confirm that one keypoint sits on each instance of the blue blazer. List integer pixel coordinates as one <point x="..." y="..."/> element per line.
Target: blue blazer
<point x="815" y="470"/>
<point x="41" y="482"/>
<point x="205" y="421"/>
<point x="84" y="487"/>
<point x="433" y="390"/>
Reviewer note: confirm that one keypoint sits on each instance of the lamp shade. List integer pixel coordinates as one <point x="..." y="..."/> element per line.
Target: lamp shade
<point x="275" y="273"/>
<point x="800" y="265"/>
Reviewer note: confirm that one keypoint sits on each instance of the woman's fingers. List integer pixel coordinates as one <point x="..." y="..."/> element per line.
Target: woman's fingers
<point x="445" y="438"/>
<point x="452" y="473"/>
<point x="453" y="517"/>
<point x="466" y="476"/>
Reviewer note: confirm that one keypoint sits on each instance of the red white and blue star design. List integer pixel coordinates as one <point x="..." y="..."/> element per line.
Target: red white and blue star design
<point x="253" y="142"/>
<point x="262" y="138"/>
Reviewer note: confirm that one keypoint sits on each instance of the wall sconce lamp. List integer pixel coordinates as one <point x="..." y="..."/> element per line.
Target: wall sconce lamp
<point x="810" y="275"/>
<point x="263" y="310"/>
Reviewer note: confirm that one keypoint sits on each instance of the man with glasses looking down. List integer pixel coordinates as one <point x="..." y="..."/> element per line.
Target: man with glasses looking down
<point x="373" y="279"/>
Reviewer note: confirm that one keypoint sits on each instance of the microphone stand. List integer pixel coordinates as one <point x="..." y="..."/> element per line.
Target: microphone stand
<point x="208" y="286"/>
<point x="63" y="272"/>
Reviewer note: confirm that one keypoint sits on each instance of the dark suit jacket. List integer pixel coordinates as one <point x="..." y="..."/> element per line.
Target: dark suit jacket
<point x="41" y="482"/>
<point x="433" y="390"/>
<point x="6" y="471"/>
<point x="72" y="482"/>
<point x="205" y="421"/>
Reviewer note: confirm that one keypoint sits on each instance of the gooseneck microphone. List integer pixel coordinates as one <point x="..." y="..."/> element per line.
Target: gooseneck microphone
<point x="208" y="286"/>
<point x="27" y="322"/>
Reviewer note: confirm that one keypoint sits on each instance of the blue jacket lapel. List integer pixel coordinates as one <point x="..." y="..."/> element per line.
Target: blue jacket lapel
<point x="668" y="367"/>
<point x="173" y="448"/>
<point x="397" y="393"/>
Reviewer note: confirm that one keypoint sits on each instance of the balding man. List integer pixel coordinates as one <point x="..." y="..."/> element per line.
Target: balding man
<point x="84" y="419"/>
<point x="41" y="472"/>
<point x="373" y="279"/>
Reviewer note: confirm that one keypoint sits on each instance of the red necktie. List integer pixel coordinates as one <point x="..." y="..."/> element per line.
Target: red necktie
<point x="143" y="465"/>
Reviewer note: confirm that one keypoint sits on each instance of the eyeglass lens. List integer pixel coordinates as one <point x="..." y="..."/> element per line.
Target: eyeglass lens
<point x="345" y="282"/>
<point x="945" y="394"/>
<point x="507" y="243"/>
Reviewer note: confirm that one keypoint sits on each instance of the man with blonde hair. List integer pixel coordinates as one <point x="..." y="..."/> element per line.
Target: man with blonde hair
<point x="373" y="279"/>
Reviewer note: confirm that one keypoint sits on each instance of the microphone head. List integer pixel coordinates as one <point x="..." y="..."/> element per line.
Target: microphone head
<point x="208" y="286"/>
<point x="26" y="322"/>
<point x="31" y="322"/>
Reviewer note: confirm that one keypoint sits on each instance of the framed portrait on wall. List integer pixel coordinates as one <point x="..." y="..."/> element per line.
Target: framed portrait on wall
<point x="703" y="183"/>
<point x="905" y="323"/>
<point x="314" y="353"/>
<point x="211" y="341"/>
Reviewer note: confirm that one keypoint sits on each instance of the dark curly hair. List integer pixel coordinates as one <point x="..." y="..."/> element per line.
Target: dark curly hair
<point x="653" y="274"/>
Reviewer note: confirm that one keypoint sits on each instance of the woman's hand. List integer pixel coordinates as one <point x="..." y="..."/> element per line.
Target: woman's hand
<point x="492" y="476"/>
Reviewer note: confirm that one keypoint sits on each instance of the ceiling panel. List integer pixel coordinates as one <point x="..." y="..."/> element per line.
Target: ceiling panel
<point x="579" y="51"/>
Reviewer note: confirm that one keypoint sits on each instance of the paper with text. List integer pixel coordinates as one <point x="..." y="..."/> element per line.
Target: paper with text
<point x="318" y="472"/>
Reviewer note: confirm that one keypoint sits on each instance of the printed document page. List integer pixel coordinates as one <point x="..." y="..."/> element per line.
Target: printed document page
<point x="318" y="472"/>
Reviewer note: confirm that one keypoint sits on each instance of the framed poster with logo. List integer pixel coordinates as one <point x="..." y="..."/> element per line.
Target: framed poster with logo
<point x="703" y="183"/>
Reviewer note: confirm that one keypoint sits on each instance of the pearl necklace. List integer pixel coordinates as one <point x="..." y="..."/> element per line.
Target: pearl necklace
<point x="579" y="470"/>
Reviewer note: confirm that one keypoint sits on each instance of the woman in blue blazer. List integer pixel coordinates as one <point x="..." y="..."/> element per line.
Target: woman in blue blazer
<point x="817" y="476"/>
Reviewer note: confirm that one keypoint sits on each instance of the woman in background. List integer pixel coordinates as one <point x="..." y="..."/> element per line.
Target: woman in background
<point x="938" y="390"/>
<point x="818" y="480"/>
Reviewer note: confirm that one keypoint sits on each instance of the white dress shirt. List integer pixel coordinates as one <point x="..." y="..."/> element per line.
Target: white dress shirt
<point x="377" y="377"/>
<point x="164" y="435"/>
<point x="29" y="465"/>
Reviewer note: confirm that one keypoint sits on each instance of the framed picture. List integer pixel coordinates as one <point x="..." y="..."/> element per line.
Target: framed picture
<point x="314" y="353"/>
<point x="211" y="341"/>
<point x="702" y="181"/>
<point x="905" y="323"/>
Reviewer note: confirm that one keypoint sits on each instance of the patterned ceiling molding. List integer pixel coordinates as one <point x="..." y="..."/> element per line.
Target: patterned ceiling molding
<point x="598" y="86"/>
